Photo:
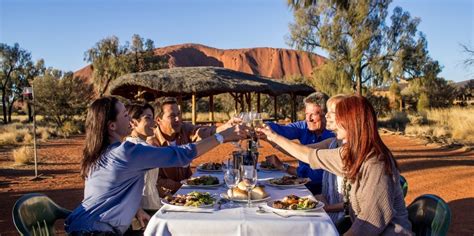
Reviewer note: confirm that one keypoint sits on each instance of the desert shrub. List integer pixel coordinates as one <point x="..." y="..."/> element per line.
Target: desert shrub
<point x="23" y="155"/>
<point x="395" y="120"/>
<point x="44" y="133"/>
<point x="28" y="138"/>
<point x="8" y="139"/>
<point x="453" y="124"/>
<point x="380" y="104"/>
<point x="69" y="128"/>
<point x="418" y="118"/>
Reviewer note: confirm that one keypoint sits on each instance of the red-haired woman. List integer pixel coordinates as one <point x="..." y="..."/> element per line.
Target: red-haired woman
<point x="373" y="196"/>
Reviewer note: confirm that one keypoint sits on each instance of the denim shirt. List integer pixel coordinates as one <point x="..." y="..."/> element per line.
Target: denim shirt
<point x="299" y="130"/>
<point x="113" y="189"/>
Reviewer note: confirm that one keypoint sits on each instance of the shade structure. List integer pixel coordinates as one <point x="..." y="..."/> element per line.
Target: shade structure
<point x="195" y="82"/>
<point x="201" y="82"/>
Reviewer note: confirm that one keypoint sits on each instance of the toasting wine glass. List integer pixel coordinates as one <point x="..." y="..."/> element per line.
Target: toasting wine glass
<point x="241" y="117"/>
<point x="249" y="178"/>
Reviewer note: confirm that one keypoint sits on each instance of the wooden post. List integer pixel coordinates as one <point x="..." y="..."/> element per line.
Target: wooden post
<point x="193" y="108"/>
<point x="211" y="108"/>
<point x="258" y="103"/>
<point x="242" y="103"/>
<point x="275" y="108"/>
<point x="248" y="98"/>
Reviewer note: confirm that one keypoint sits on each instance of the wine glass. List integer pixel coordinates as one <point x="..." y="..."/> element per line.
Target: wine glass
<point x="249" y="178"/>
<point x="257" y="122"/>
<point x="231" y="178"/>
<point x="241" y="117"/>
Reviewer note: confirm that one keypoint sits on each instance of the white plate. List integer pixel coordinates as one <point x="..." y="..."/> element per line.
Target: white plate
<point x="186" y="185"/>
<point x="318" y="207"/>
<point x="165" y="202"/>
<point x="286" y="186"/>
<point x="201" y="185"/>
<point x="225" y="196"/>
<point x="199" y="168"/>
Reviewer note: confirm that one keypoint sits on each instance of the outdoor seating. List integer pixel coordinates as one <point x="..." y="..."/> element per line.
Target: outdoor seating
<point x="35" y="214"/>
<point x="429" y="215"/>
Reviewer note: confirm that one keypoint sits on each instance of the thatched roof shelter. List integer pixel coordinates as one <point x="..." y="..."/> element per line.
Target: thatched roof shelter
<point x="200" y="81"/>
<point x="192" y="82"/>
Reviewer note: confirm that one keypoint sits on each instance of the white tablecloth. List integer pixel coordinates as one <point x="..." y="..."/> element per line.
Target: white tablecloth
<point x="241" y="220"/>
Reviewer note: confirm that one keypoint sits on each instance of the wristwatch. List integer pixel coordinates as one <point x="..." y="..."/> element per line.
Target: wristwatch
<point x="219" y="138"/>
<point x="285" y="167"/>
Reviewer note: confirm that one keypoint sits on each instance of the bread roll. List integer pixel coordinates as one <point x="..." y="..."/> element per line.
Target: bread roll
<point x="242" y="186"/>
<point x="238" y="194"/>
<point x="258" y="193"/>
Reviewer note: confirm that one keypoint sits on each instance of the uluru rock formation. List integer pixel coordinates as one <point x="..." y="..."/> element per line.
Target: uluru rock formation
<point x="275" y="63"/>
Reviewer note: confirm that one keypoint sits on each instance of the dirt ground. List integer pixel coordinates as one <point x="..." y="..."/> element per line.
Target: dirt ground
<point x="429" y="168"/>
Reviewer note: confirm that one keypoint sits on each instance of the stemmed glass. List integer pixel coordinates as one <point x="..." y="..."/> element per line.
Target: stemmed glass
<point x="249" y="178"/>
<point x="240" y="116"/>
<point x="257" y="122"/>
<point x="231" y="178"/>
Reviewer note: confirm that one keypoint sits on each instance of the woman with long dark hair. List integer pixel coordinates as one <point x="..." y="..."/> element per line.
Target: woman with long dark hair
<point x="372" y="192"/>
<point x="114" y="170"/>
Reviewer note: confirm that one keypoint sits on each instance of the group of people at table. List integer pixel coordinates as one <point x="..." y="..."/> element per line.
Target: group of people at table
<point x="135" y="154"/>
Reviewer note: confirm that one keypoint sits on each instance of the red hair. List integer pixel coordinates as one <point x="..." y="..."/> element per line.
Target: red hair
<point x="357" y="116"/>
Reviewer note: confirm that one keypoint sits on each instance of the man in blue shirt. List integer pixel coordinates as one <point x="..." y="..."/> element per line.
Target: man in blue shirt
<point x="311" y="130"/>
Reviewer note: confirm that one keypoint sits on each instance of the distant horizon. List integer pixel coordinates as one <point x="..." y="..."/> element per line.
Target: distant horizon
<point x="61" y="32"/>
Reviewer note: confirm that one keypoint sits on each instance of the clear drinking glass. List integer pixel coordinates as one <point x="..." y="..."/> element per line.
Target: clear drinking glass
<point x="231" y="178"/>
<point x="249" y="178"/>
<point x="240" y="116"/>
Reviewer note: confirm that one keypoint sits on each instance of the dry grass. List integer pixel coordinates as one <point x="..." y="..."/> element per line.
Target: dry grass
<point x="23" y="155"/>
<point x="451" y="125"/>
<point x="13" y="134"/>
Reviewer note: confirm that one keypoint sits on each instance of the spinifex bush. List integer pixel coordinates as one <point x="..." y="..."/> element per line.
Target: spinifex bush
<point x="23" y="155"/>
<point x="452" y="123"/>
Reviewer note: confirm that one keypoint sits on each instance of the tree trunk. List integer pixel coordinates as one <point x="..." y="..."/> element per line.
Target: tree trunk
<point x="359" y="85"/>
<point x="4" y="105"/>
<point x="30" y="114"/>
<point x="10" y="108"/>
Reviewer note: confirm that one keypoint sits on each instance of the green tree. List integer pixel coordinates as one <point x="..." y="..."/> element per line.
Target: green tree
<point x="110" y="59"/>
<point x="423" y="102"/>
<point x="331" y="81"/>
<point x="60" y="96"/>
<point x="15" y="64"/>
<point x="107" y="61"/>
<point x="359" y="41"/>
<point x="395" y="92"/>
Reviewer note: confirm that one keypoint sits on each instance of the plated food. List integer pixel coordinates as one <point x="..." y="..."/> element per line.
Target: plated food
<point x="295" y="203"/>
<point x="288" y="181"/>
<point x="211" y="167"/>
<point x="192" y="199"/>
<point x="239" y="193"/>
<point x="267" y="166"/>
<point x="203" y="180"/>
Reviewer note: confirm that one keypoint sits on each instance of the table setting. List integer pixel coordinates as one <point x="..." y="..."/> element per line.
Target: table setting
<point x="241" y="197"/>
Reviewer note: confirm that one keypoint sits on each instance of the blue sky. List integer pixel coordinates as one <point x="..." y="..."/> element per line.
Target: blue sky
<point x="61" y="31"/>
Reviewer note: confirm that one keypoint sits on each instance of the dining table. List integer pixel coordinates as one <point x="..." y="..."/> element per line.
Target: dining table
<point x="259" y="219"/>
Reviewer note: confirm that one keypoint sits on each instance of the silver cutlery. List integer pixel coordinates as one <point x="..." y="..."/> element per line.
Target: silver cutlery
<point x="164" y="211"/>
<point x="290" y="215"/>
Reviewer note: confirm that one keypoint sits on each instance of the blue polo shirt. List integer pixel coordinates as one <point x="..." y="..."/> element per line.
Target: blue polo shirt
<point x="299" y="130"/>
